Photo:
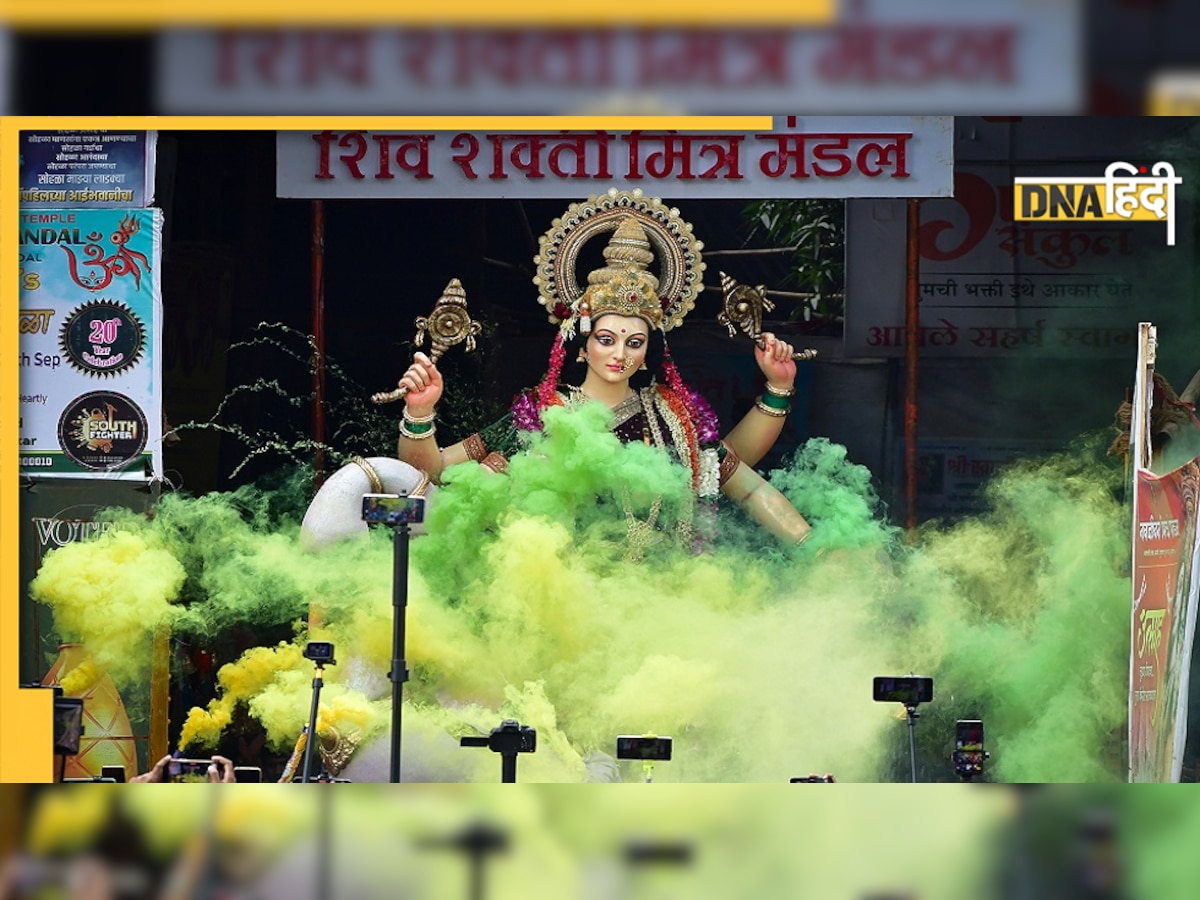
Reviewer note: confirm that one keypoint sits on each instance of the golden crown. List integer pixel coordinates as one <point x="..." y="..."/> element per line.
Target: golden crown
<point x="623" y="285"/>
<point x="646" y="231"/>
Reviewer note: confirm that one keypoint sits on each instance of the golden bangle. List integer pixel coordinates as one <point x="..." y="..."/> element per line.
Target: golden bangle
<point x="780" y="392"/>
<point x="475" y="447"/>
<point x="729" y="464"/>
<point x="496" y="462"/>
<point x="418" y="420"/>
<point x="777" y="413"/>
<point x="414" y="435"/>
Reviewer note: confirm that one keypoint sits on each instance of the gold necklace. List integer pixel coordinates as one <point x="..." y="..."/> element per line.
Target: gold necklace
<point x="640" y="536"/>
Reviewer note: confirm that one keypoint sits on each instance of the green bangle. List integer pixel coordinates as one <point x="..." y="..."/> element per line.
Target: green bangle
<point x="770" y="410"/>
<point x="775" y="401"/>
<point x="417" y="432"/>
<point x="417" y="427"/>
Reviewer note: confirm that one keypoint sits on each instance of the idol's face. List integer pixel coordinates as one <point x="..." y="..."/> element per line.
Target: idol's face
<point x="617" y="347"/>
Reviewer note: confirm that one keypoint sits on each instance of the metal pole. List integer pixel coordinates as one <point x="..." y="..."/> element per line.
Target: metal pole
<point x="399" y="672"/>
<point x="318" y="330"/>
<point x="912" y="742"/>
<point x="912" y="325"/>
<point x="1139" y="448"/>
<point x="318" y="683"/>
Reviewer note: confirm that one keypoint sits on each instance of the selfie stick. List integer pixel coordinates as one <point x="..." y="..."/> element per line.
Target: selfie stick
<point x="911" y="709"/>
<point x="399" y="672"/>
<point x="318" y="683"/>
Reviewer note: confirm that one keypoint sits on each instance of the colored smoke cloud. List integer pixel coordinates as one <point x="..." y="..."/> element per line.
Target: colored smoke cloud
<point x="757" y="659"/>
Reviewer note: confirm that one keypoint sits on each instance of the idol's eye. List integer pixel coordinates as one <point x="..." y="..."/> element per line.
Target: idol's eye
<point x="636" y="343"/>
<point x="605" y="340"/>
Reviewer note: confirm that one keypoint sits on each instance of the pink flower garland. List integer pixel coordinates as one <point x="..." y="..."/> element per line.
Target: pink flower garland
<point x="702" y="415"/>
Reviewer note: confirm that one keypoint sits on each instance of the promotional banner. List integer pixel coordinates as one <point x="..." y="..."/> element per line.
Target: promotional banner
<point x="109" y="169"/>
<point x="802" y="156"/>
<point x="90" y="330"/>
<point x="1165" y="590"/>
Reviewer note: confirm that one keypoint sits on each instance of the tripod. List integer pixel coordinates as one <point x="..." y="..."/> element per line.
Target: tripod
<point x="317" y="684"/>
<point x="399" y="673"/>
<point x="508" y="739"/>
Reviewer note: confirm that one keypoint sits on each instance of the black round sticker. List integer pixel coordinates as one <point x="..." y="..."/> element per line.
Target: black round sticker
<point x="103" y="337"/>
<point x="102" y="430"/>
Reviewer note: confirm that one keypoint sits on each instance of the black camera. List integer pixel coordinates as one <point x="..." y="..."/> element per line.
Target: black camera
<point x="909" y="690"/>
<point x="68" y="725"/>
<point x="968" y="752"/>
<point x="392" y="509"/>
<point x="67" y="722"/>
<point x="320" y="652"/>
<point x="648" y="747"/>
<point x="508" y="737"/>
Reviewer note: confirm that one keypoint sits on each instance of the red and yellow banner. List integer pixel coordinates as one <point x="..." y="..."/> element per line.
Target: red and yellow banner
<point x="1164" y="615"/>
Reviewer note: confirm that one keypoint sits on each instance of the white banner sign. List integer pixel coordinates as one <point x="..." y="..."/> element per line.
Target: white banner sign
<point x="941" y="55"/>
<point x="814" y="156"/>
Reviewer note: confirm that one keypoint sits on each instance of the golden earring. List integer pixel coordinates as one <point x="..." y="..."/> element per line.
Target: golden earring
<point x="642" y="367"/>
<point x="582" y="357"/>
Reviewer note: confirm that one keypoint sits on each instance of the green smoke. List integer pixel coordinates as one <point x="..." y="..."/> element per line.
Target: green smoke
<point x="756" y="660"/>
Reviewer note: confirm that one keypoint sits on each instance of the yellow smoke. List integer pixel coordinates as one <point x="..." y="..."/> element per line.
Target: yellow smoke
<point x="111" y="593"/>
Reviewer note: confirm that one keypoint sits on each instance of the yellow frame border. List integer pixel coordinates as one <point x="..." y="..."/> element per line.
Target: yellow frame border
<point x="25" y="715"/>
<point x="115" y="14"/>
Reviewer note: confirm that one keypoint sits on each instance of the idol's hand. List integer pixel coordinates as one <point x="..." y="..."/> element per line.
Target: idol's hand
<point x="424" y="384"/>
<point x="776" y="362"/>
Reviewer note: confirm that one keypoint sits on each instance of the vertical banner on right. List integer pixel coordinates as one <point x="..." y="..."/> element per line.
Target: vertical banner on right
<point x="1165" y="588"/>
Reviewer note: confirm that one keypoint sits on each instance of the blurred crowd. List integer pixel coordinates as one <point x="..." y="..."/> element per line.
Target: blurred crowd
<point x="858" y="843"/>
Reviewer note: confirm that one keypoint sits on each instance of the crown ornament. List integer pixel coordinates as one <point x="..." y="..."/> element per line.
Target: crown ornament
<point x="644" y="231"/>
<point x="623" y="285"/>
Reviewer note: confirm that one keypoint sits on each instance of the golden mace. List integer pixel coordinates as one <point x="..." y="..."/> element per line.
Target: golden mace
<point x="447" y="325"/>
<point x="743" y="308"/>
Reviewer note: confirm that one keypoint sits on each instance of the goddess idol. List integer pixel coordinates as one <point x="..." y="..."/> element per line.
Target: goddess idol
<point x="615" y="329"/>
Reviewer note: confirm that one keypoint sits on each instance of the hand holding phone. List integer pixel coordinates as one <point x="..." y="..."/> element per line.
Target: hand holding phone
<point x="177" y="769"/>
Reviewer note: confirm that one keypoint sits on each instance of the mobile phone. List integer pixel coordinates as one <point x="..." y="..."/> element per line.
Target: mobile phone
<point x="649" y="747"/>
<point x="188" y="770"/>
<point x="968" y="755"/>
<point x="909" y="690"/>
<point x="393" y="509"/>
<point x="247" y="774"/>
<point x="116" y="773"/>
<point x="968" y="735"/>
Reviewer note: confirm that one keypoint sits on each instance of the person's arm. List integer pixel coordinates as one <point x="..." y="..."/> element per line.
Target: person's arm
<point x="766" y="505"/>
<point x="754" y="436"/>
